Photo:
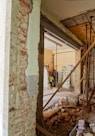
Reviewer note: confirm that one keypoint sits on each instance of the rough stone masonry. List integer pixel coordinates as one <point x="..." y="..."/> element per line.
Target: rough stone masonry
<point x="21" y="111"/>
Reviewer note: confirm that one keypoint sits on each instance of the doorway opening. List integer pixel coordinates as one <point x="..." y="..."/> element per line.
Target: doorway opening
<point x="59" y="59"/>
<point x="59" y="54"/>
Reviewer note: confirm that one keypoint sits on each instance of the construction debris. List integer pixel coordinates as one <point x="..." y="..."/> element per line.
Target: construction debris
<point x="66" y="119"/>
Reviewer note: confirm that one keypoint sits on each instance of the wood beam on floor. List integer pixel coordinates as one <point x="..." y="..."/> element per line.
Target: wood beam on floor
<point x="44" y="131"/>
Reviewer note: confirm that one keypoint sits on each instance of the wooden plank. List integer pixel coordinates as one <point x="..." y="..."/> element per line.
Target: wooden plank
<point x="39" y="113"/>
<point x="49" y="113"/>
<point x="44" y="131"/>
<point x="86" y="53"/>
<point x="80" y="31"/>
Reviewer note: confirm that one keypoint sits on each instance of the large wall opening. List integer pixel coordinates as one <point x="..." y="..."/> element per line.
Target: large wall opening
<point x="59" y="54"/>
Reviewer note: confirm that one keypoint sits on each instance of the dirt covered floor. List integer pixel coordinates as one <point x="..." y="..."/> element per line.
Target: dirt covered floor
<point x="65" y="110"/>
<point x="64" y="121"/>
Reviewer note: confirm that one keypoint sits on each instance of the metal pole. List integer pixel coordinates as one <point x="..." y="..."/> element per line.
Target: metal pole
<point x="56" y="68"/>
<point x="86" y="84"/>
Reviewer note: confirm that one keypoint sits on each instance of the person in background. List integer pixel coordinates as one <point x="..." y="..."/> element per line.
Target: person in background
<point x="55" y="74"/>
<point x="51" y="80"/>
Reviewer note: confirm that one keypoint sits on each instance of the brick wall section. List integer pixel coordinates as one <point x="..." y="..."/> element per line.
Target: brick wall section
<point x="22" y="107"/>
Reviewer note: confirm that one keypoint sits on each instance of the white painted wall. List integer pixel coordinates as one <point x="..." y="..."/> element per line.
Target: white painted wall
<point x="5" y="23"/>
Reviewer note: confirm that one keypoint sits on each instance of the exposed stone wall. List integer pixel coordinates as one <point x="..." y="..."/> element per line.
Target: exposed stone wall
<point x="22" y="107"/>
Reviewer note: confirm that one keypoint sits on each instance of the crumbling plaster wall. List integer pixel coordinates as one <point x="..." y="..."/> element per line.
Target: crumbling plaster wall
<point x="22" y="104"/>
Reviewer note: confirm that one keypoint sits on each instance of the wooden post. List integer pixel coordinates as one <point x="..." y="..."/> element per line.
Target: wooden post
<point x="86" y="53"/>
<point x="39" y="113"/>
